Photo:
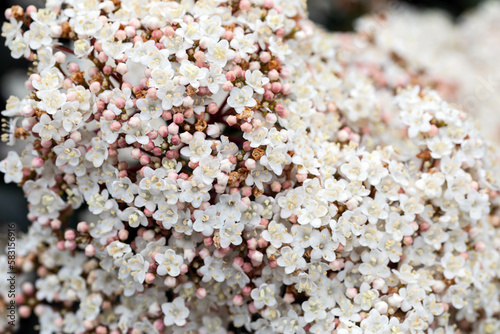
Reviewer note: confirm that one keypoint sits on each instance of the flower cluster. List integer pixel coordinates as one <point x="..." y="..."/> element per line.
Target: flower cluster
<point x="237" y="175"/>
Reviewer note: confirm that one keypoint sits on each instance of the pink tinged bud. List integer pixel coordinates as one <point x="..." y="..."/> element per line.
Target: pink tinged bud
<point x="107" y="70"/>
<point x="101" y="330"/>
<point x="24" y="311"/>
<point x="378" y="283"/>
<point x="144" y="160"/>
<point x="342" y="135"/>
<point x="301" y="177"/>
<point x="231" y="120"/>
<point x="55" y="224"/>
<point x="69" y="235"/>
<point x="276" y="87"/>
<point x="122" y="68"/>
<point x="150" y="278"/>
<point x="115" y="126"/>
<point x="352" y="204"/>
<point x="120" y="103"/>
<point x="262" y="243"/>
<point x="122" y="174"/>
<point x="247" y="267"/>
<point x="123" y="234"/>
<point x="136" y="153"/>
<point x="273" y="75"/>
<point x="212" y="108"/>
<point x="60" y="245"/>
<point x="201" y="293"/>
<point x="102" y="57"/>
<point x="28" y="111"/>
<point x="148" y="213"/>
<point x="268" y="4"/>
<point x="204" y="252"/>
<point x="193" y="165"/>
<point x="130" y="31"/>
<point x="465" y="255"/>
<point x="424" y="226"/>
<point x="108" y="115"/>
<point x="246" y="127"/>
<point x="252" y="308"/>
<point x="200" y="56"/>
<point x="257" y="257"/>
<point x="208" y="242"/>
<point x="280" y="32"/>
<point x="70" y="245"/>
<point x="46" y="143"/>
<point x="82" y="227"/>
<point x="408" y="240"/>
<point x="276" y="186"/>
<point x="268" y="95"/>
<point x="335" y="265"/>
<point x="37" y="162"/>
<point x="149" y="146"/>
<point x="480" y="247"/>
<point x="287" y="88"/>
<point x="157" y="151"/>
<point x="230" y="76"/>
<point x="351" y="293"/>
<point x="73" y="67"/>
<point x="173" y="129"/>
<point x="474" y="185"/>
<point x="238" y="300"/>
<point x="227" y="86"/>
<point x="176" y="140"/>
<point x="163" y="131"/>
<point x="178" y="118"/>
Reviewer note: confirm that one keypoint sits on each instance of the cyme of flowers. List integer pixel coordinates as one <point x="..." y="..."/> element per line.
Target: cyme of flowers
<point x="239" y="173"/>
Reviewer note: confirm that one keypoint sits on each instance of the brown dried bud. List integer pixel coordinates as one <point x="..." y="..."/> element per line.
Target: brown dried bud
<point x="66" y="30"/>
<point x="17" y="12"/>
<point x="191" y="90"/>
<point x="140" y="94"/>
<point x="21" y="133"/>
<point x="257" y="153"/>
<point x="201" y="124"/>
<point x="97" y="78"/>
<point x="233" y="177"/>
<point x="274" y="65"/>
<point x="424" y="155"/>
<point x="257" y="192"/>
<point x="78" y="77"/>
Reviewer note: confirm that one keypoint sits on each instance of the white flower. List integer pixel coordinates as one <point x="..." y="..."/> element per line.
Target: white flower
<point x="198" y="147"/>
<point x="98" y="152"/>
<point x="191" y="74"/>
<point x="355" y="169"/>
<point x="67" y="153"/>
<point x="276" y="234"/>
<point x="219" y="53"/>
<point x="134" y="217"/>
<point x="118" y="249"/>
<point x="49" y="128"/>
<point x="83" y="48"/>
<point x="175" y="312"/>
<point x="230" y="233"/>
<point x="241" y="98"/>
<point x="264" y="295"/>
<point x="38" y="36"/>
<point x="12" y="167"/>
<point x="206" y="221"/>
<point x="291" y="259"/>
<point x="168" y="263"/>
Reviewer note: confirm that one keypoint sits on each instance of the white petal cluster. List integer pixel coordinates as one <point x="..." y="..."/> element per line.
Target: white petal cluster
<point x="235" y="172"/>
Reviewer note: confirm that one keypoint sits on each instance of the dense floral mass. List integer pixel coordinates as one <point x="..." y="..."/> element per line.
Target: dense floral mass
<point x="240" y="174"/>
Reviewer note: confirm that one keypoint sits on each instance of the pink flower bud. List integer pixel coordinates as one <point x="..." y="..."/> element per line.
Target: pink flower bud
<point x="201" y="293"/>
<point x="227" y="86"/>
<point x="231" y="120"/>
<point x="69" y="235"/>
<point x="82" y="227"/>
